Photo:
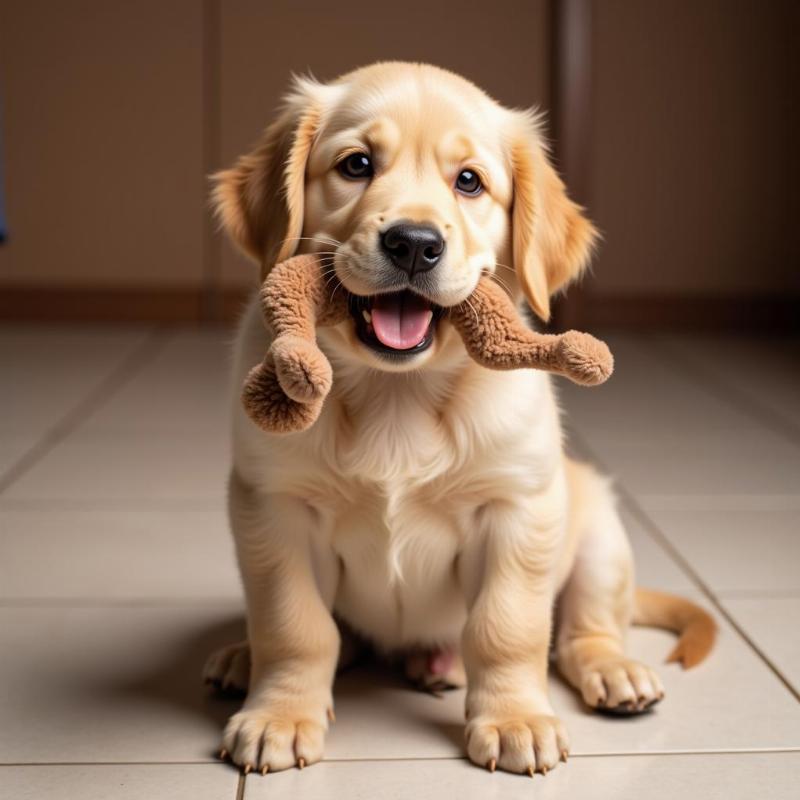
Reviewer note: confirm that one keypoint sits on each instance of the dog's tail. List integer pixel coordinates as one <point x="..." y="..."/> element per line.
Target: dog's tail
<point x="695" y="627"/>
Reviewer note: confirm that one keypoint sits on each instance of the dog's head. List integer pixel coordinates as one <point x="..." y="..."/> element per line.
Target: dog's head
<point x="411" y="182"/>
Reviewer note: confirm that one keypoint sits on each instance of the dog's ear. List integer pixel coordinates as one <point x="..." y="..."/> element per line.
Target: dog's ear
<point x="259" y="200"/>
<point x="552" y="240"/>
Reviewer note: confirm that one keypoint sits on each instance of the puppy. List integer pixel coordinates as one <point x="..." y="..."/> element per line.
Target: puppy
<point x="431" y="507"/>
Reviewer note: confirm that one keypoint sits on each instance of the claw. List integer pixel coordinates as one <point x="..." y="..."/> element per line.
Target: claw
<point x="544" y="771"/>
<point x="301" y="762"/>
<point x="223" y="754"/>
<point x="265" y="769"/>
<point x="531" y="771"/>
<point x="492" y="765"/>
<point x="247" y="769"/>
<point x="331" y="715"/>
<point x="564" y="756"/>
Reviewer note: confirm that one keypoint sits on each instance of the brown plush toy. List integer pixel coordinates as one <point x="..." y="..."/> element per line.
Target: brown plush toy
<point x="285" y="392"/>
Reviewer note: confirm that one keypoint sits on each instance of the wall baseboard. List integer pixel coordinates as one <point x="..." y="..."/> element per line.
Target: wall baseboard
<point x="121" y="304"/>
<point x="633" y="312"/>
<point x="680" y="313"/>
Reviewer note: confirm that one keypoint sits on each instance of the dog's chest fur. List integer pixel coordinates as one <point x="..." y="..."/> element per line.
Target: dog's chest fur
<point x="397" y="469"/>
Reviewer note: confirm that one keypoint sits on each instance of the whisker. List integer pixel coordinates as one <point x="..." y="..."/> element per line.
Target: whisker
<point x="335" y="288"/>
<point x="347" y="271"/>
<point x="326" y="240"/>
<point x="502" y="283"/>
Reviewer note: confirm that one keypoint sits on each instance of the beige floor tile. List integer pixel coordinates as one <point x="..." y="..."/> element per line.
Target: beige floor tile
<point x="772" y="623"/>
<point x="116" y="555"/>
<point x="82" y="685"/>
<point x="751" y="461"/>
<point x="379" y="718"/>
<point x="129" y="509"/>
<point x="762" y="371"/>
<point x="13" y="447"/>
<point x="729" y="502"/>
<point x="751" y="549"/>
<point x="129" y="467"/>
<point x="184" y="388"/>
<point x="123" y="685"/>
<point x="48" y="371"/>
<point x="645" y="398"/>
<point x="690" y="777"/>
<point x="119" y="782"/>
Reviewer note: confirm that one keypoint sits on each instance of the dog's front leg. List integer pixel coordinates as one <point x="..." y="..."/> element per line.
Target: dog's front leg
<point x="510" y="722"/>
<point x="294" y="640"/>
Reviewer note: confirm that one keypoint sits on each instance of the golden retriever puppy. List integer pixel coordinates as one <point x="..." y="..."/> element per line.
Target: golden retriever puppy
<point x="431" y="507"/>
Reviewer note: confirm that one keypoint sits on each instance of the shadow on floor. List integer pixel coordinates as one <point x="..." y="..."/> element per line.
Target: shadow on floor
<point x="371" y="683"/>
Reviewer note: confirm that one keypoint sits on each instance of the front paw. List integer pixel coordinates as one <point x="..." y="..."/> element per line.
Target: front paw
<point x="303" y="371"/>
<point x="271" y="739"/>
<point x="524" y="743"/>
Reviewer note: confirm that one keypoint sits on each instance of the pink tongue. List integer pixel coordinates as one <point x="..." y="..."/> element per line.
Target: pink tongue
<point x="400" y="321"/>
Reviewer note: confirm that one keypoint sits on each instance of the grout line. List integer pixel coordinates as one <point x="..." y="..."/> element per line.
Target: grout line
<point x="240" y="786"/>
<point x="677" y="556"/>
<point x="109" y="763"/>
<point x="103" y="504"/>
<point x="405" y="759"/>
<point x="624" y="754"/>
<point x="729" y="394"/>
<point x="636" y="510"/>
<point x="96" y="397"/>
<point x="758" y="594"/>
<point x="121" y="602"/>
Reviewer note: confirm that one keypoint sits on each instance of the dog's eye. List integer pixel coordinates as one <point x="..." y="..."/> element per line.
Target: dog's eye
<point x="355" y="167"/>
<point x="468" y="182"/>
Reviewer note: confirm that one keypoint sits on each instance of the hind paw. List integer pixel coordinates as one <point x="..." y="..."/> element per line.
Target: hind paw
<point x="228" y="669"/>
<point x="621" y="687"/>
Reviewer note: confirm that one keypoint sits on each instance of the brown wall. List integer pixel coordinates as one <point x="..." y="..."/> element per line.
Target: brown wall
<point x="114" y="112"/>
<point x="102" y="124"/>
<point x="692" y="143"/>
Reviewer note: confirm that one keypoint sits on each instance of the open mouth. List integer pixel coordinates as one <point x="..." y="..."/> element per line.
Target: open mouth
<point x="398" y="323"/>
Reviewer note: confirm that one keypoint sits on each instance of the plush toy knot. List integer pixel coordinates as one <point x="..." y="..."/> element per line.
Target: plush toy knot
<point x="586" y="360"/>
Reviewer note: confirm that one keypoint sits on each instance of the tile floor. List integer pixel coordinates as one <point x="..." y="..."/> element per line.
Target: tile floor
<point x="117" y="578"/>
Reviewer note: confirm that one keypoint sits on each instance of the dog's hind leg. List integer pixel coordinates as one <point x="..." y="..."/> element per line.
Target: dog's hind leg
<point x="228" y="669"/>
<point x="596" y="605"/>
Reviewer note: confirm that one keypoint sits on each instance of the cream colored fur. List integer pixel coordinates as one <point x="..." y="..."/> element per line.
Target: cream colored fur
<point x="431" y="505"/>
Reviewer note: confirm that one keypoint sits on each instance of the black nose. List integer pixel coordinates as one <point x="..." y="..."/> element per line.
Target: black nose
<point x="413" y="248"/>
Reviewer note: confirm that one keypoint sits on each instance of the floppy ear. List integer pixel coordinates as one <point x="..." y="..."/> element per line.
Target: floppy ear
<point x="552" y="241"/>
<point x="259" y="201"/>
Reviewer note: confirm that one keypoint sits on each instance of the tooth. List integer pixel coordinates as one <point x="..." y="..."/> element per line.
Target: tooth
<point x="367" y="315"/>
